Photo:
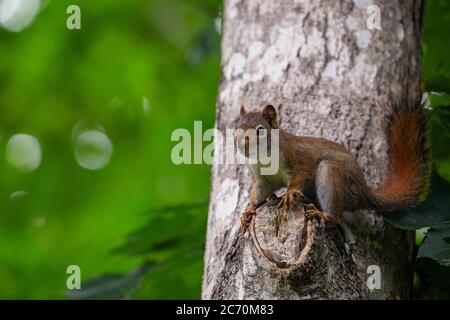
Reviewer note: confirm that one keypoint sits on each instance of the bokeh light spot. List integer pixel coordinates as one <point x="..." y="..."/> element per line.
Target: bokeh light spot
<point x="146" y="104"/>
<point x="93" y="149"/>
<point x="39" y="222"/>
<point x="18" y="194"/>
<point x="23" y="152"/>
<point x="16" y="15"/>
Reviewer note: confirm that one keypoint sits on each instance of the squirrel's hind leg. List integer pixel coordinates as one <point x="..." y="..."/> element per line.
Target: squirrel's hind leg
<point x="326" y="181"/>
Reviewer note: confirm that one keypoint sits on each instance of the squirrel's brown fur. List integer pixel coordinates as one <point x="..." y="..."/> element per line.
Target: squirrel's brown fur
<point x="329" y="176"/>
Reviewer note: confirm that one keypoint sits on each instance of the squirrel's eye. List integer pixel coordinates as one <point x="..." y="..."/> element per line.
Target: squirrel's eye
<point x="260" y="131"/>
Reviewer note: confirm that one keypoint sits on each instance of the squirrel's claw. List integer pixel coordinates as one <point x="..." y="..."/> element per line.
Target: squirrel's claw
<point x="312" y="212"/>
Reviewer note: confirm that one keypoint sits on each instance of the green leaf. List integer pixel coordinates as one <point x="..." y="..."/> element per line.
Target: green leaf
<point x="439" y="99"/>
<point x="432" y="280"/>
<point x="435" y="211"/>
<point x="437" y="245"/>
<point x="111" y="286"/>
<point x="170" y="230"/>
<point x="176" y="278"/>
<point x="174" y="239"/>
<point x="420" y="235"/>
<point x="439" y="83"/>
<point x="440" y="130"/>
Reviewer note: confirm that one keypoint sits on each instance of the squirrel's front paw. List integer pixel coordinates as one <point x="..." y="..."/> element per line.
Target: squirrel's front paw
<point x="289" y="199"/>
<point x="246" y="218"/>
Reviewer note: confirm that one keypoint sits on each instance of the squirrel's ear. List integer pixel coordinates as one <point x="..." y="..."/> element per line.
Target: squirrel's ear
<point x="242" y="112"/>
<point x="270" y="114"/>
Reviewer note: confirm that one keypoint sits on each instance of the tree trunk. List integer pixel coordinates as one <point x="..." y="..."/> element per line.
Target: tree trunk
<point x="328" y="75"/>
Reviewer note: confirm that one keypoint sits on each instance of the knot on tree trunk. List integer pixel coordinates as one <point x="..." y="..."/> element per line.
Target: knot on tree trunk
<point x="283" y="237"/>
<point x="310" y="257"/>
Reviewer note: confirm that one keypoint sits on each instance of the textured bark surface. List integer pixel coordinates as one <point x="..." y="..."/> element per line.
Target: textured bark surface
<point x="328" y="75"/>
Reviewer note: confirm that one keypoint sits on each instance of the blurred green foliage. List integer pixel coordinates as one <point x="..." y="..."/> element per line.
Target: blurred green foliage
<point x="140" y="69"/>
<point x="436" y="46"/>
<point x="431" y="219"/>
<point x="51" y="78"/>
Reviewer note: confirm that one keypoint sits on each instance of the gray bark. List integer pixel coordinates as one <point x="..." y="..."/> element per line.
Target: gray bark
<point x="328" y="75"/>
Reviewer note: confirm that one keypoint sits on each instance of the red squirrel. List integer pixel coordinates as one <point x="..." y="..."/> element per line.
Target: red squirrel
<point x="329" y="175"/>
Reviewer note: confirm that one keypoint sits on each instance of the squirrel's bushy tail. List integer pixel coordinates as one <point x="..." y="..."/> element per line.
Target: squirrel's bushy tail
<point x="408" y="156"/>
